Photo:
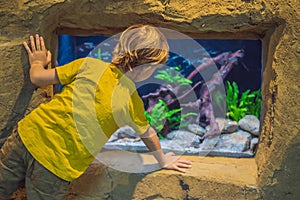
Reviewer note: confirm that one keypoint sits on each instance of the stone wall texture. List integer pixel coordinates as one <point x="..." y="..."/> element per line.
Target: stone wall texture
<point x="276" y="22"/>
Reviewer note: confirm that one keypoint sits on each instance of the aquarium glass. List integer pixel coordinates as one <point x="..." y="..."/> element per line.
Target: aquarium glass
<point x="241" y="81"/>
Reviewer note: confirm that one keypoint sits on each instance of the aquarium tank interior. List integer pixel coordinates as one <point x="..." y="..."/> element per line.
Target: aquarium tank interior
<point x="195" y="110"/>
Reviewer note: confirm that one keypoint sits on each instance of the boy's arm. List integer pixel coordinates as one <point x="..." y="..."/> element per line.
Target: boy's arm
<point x="167" y="161"/>
<point x="39" y="58"/>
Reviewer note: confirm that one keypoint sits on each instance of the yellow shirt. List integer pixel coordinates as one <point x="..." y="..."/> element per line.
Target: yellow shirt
<point x="66" y="133"/>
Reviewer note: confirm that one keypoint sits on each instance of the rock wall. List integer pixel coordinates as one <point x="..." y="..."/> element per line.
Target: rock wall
<point x="277" y="22"/>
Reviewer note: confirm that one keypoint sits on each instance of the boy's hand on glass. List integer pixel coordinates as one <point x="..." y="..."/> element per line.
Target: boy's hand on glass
<point x="39" y="58"/>
<point x="176" y="163"/>
<point x="38" y="54"/>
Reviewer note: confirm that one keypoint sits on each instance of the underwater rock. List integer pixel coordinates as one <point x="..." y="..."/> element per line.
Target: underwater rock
<point x="113" y="137"/>
<point x="253" y="144"/>
<point x="226" y="125"/>
<point x="126" y="132"/>
<point x="123" y="132"/>
<point x="250" y="123"/>
<point x="197" y="141"/>
<point x="231" y="145"/>
<point x="209" y="143"/>
<point x="126" y="145"/>
<point x="181" y="135"/>
<point x="235" y="142"/>
<point x="195" y="128"/>
<point x="221" y="123"/>
<point x="230" y="127"/>
<point x="126" y="139"/>
<point x="171" y="135"/>
<point x="227" y="144"/>
<point x="179" y="140"/>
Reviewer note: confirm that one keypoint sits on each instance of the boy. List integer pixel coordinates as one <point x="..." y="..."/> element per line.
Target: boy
<point x="56" y="142"/>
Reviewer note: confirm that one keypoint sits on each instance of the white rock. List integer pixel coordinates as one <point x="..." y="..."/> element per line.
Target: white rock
<point x="226" y="125"/>
<point x="253" y="144"/>
<point x="123" y="132"/>
<point x="209" y="143"/>
<point x="236" y="142"/>
<point x="180" y="135"/>
<point x="250" y="123"/>
<point x="195" y="128"/>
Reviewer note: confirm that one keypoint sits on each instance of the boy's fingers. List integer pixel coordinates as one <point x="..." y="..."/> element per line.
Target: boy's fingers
<point x="182" y="165"/>
<point x="27" y="47"/>
<point x="37" y="41"/>
<point x="180" y="169"/>
<point x="32" y="44"/>
<point x="43" y="48"/>
<point x="185" y="161"/>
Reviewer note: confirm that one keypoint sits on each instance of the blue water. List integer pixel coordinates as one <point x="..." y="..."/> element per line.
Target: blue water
<point x="247" y="74"/>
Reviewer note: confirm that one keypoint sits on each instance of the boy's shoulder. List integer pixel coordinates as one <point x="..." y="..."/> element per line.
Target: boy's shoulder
<point x="92" y="60"/>
<point x="91" y="63"/>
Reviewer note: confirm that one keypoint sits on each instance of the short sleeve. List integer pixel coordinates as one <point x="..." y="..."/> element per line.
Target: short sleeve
<point x="67" y="73"/>
<point x="137" y="113"/>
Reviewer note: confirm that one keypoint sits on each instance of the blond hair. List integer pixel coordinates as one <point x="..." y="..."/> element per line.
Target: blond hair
<point x="139" y="45"/>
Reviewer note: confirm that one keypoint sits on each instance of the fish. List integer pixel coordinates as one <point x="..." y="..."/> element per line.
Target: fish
<point x="186" y="61"/>
<point x="106" y="44"/>
<point x="106" y="53"/>
<point x="212" y="52"/>
<point x="89" y="45"/>
<point x="173" y="57"/>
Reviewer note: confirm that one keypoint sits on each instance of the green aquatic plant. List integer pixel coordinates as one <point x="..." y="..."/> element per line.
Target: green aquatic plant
<point x="99" y="54"/>
<point x="256" y="104"/>
<point x="249" y="103"/>
<point x="172" y="76"/>
<point x="161" y="113"/>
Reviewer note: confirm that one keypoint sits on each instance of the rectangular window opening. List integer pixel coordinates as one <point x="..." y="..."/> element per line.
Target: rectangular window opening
<point x="208" y="87"/>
